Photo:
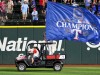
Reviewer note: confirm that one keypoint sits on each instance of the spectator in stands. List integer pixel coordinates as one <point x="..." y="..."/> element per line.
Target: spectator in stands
<point x="27" y="1"/>
<point x="46" y="3"/>
<point x="22" y="1"/>
<point x="3" y="11"/>
<point x="10" y="5"/>
<point x="34" y="15"/>
<point x="98" y="12"/>
<point x="87" y="4"/>
<point x="0" y="9"/>
<point x="33" y="4"/>
<point x="42" y="5"/>
<point x="54" y="0"/>
<point x="68" y="1"/>
<point x="25" y="10"/>
<point x="64" y="1"/>
<point x="94" y="8"/>
<point x="96" y="1"/>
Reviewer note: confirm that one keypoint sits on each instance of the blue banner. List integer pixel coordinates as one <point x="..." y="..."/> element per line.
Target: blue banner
<point x="71" y="23"/>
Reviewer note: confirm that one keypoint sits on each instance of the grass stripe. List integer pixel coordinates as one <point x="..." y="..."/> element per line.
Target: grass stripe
<point x="47" y="71"/>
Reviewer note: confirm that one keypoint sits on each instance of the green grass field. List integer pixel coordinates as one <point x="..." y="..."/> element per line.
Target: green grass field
<point x="46" y="71"/>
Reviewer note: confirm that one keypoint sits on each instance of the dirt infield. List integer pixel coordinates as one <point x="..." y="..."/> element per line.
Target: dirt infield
<point x="4" y="65"/>
<point x="71" y="65"/>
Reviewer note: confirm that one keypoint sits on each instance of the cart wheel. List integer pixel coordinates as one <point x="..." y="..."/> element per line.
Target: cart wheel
<point x="21" y="67"/>
<point x="57" y="67"/>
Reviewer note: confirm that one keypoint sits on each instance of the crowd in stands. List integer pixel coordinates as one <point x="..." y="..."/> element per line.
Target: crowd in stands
<point x="93" y="6"/>
<point x="38" y="7"/>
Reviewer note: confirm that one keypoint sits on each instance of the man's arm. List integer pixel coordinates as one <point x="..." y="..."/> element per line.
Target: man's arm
<point x="71" y="1"/>
<point x="84" y="1"/>
<point x="12" y="5"/>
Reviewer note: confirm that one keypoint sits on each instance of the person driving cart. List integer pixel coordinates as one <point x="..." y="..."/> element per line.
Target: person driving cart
<point x="34" y="54"/>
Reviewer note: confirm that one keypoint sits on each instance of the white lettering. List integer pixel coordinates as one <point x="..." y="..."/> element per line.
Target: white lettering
<point x="19" y="42"/>
<point x="24" y="44"/>
<point x="11" y="46"/>
<point x="79" y="26"/>
<point x="3" y="45"/>
<point x="76" y="33"/>
<point x="21" y="45"/>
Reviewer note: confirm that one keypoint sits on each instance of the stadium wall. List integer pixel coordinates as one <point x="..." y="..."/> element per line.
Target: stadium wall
<point x="76" y="52"/>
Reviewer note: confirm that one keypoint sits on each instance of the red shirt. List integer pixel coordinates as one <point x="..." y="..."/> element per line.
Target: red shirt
<point x="0" y="4"/>
<point x="3" y="6"/>
<point x="35" y="51"/>
<point x="41" y="2"/>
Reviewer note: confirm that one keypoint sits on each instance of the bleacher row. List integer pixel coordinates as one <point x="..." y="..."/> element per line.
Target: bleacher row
<point x="16" y="18"/>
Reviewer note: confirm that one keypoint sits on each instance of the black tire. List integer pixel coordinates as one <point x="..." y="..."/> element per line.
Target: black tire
<point x="21" y="67"/>
<point x="57" y="67"/>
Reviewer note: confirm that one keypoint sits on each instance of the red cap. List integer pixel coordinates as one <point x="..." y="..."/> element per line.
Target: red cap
<point x="34" y="8"/>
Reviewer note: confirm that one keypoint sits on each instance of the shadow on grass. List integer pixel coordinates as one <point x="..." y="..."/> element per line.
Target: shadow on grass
<point x="39" y="71"/>
<point x="32" y="70"/>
